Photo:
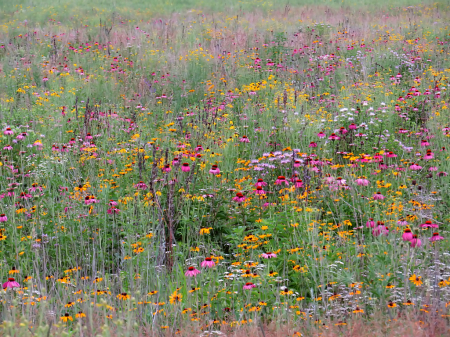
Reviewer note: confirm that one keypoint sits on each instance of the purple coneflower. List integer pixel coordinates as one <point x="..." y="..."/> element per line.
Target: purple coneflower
<point x="249" y="286"/>
<point x="378" y="196"/>
<point x="362" y="181"/>
<point x="260" y="182"/>
<point x="313" y="144"/>
<point x="268" y="255"/>
<point x="214" y="170"/>
<point x="407" y="235"/>
<point x="208" y="263"/>
<point x="192" y="272"/>
<point x="3" y="218"/>
<point x="11" y="283"/>
<point x="415" y="242"/>
<point x="334" y="137"/>
<point x="8" y="132"/>
<point x="370" y="223"/>
<point x="239" y="197"/>
<point x="436" y="237"/>
<point x="244" y="139"/>
<point x="141" y="185"/>
<point x="280" y="180"/>
<point x="185" y="167"/>
<point x="429" y="224"/>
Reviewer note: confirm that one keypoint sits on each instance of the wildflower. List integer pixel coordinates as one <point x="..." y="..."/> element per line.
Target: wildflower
<point x="193" y="290"/>
<point x="259" y="190"/>
<point x="11" y="283"/>
<point x="321" y="135"/>
<point x="380" y="230"/>
<point x="416" y="280"/>
<point x="268" y="255"/>
<point x="166" y="168"/>
<point x="280" y="180"/>
<point x="415" y="167"/>
<point x="209" y="263"/>
<point x="239" y="197"/>
<point x="8" y="132"/>
<point x="80" y="314"/>
<point x="141" y="185"/>
<point x="298" y="183"/>
<point x="205" y="230"/>
<point x="260" y="182"/>
<point x="185" y="167"/>
<point x="13" y="271"/>
<point x="175" y="297"/>
<point x="378" y="196"/>
<point x="358" y="310"/>
<point x="3" y="218"/>
<point x="66" y="317"/>
<point x="415" y="242"/>
<point x="391" y="304"/>
<point x="112" y="203"/>
<point x="312" y="144"/>
<point x="407" y="235"/>
<point x="123" y="296"/>
<point x="244" y="139"/>
<point x="334" y="137"/>
<point x="428" y="224"/>
<point x="436" y="237"/>
<point x="408" y="302"/>
<point x="214" y="170"/>
<point x="249" y="285"/>
<point x="192" y="271"/>
<point x="390" y="286"/>
<point x="370" y="223"/>
<point x="362" y="181"/>
<point x="113" y="210"/>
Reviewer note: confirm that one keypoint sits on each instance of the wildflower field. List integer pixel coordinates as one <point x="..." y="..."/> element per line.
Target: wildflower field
<point x="235" y="168"/>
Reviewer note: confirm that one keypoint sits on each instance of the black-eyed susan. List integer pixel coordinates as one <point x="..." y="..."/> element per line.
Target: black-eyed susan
<point x="391" y="304"/>
<point x="408" y="302"/>
<point x="80" y="314"/>
<point x="175" y="298"/>
<point x="358" y="310"/>
<point x="66" y="317"/>
<point x="13" y="271"/>
<point x="416" y="280"/>
<point x="69" y="304"/>
<point x="123" y="296"/>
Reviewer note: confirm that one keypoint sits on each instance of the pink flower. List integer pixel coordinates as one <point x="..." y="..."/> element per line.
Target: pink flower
<point x="199" y="148"/>
<point x="313" y="144"/>
<point x="11" y="283"/>
<point x="415" y="242"/>
<point x="370" y="223"/>
<point x="442" y="174"/>
<point x="8" y="147"/>
<point x="112" y="203"/>
<point x="113" y="210"/>
<point x="321" y="135"/>
<point x="380" y="230"/>
<point x="402" y="222"/>
<point x="391" y="155"/>
<point x="239" y="197"/>
<point x="175" y="161"/>
<point x="192" y="272"/>
<point x="141" y="186"/>
<point x="259" y="190"/>
<point x="90" y="199"/>
<point x="429" y="224"/>
<point x="432" y="168"/>
<point x="268" y="255"/>
<point x="166" y="168"/>
<point x="342" y="130"/>
<point x="185" y="167"/>
<point x="378" y="196"/>
<point x="340" y="181"/>
<point x="280" y="180"/>
<point x="415" y="167"/>
<point x="362" y="181"/>
<point x="298" y="183"/>
<point x="353" y="126"/>
<point x="407" y="235"/>
<point x="214" y="170"/>
<point x="248" y="286"/>
<point x="260" y="182"/>
<point x="334" y="137"/>
<point x="8" y="132"/>
<point x="244" y="139"/>
<point x="3" y="218"/>
<point x="424" y="143"/>
<point x="436" y="237"/>
<point x="208" y="263"/>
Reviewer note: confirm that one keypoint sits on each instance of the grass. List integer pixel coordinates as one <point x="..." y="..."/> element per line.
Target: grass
<point x="113" y="118"/>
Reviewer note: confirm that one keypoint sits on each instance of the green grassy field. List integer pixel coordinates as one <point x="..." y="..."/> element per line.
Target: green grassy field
<point x="201" y="168"/>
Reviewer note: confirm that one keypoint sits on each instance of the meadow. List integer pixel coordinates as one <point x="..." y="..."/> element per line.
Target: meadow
<point x="234" y="168"/>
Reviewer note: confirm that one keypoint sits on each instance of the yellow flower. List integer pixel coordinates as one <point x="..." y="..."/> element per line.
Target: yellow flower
<point x="66" y="318"/>
<point x="123" y="296"/>
<point x="175" y="297"/>
<point x="417" y="280"/>
<point x="80" y="314"/>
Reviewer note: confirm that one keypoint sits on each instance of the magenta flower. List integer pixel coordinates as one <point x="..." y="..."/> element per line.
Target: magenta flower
<point x="8" y="132"/>
<point x="90" y="199"/>
<point x="3" y="218"/>
<point x="424" y="142"/>
<point x="429" y="224"/>
<point x="260" y="182"/>
<point x="415" y="242"/>
<point x="313" y="144"/>
<point x="442" y="174"/>
<point x="249" y="286"/>
<point x="391" y="155"/>
<point x="380" y="230"/>
<point x="208" y="263"/>
<point x="433" y="169"/>
<point x="244" y="139"/>
<point x="334" y="137"/>
<point x="280" y="180"/>
<point x="370" y="223"/>
<point x="214" y="170"/>
<point x="199" y="148"/>
<point x="321" y="135"/>
<point x="415" y="167"/>
<point x="436" y="237"/>
<point x="239" y="197"/>
<point x="141" y="186"/>
<point x="112" y="203"/>
<point x="192" y="272"/>
<point x="268" y="255"/>
<point x="353" y="126"/>
<point x="378" y="196"/>
<point x="259" y="190"/>
<point x="342" y="130"/>
<point x="8" y="148"/>
<point x="166" y="168"/>
<point x="407" y="235"/>
<point x="402" y="222"/>
<point x="11" y="283"/>
<point x="175" y="161"/>
<point x="185" y="167"/>
<point x="298" y="183"/>
<point x="113" y="210"/>
<point x="362" y="181"/>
